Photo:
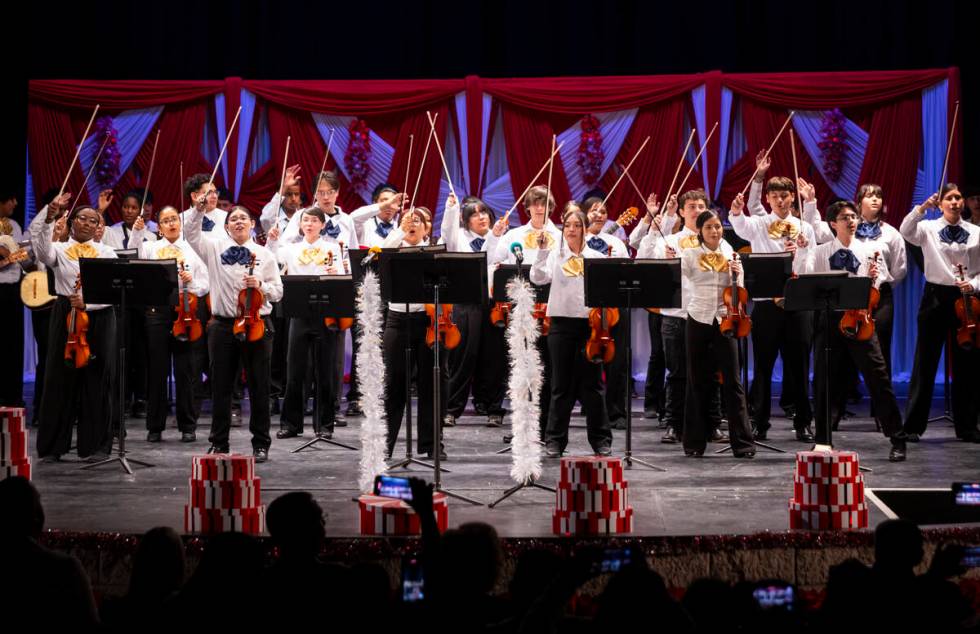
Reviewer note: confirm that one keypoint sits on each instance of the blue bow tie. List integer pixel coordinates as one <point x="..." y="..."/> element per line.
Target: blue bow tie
<point x="597" y="244"/>
<point x="332" y="230"/>
<point x="383" y="228"/>
<point x="477" y="244"/>
<point x="844" y="259"/>
<point x="869" y="231"/>
<point x="954" y="233"/>
<point x="207" y="224"/>
<point x="236" y="255"/>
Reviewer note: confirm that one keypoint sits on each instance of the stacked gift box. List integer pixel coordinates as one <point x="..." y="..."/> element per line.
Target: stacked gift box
<point x="592" y="497"/>
<point x="382" y="515"/>
<point x="14" y="460"/>
<point x="828" y="491"/>
<point x="224" y="496"/>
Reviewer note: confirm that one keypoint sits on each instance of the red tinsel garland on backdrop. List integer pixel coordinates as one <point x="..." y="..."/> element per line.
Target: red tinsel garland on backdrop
<point x="357" y="158"/>
<point x="590" y="153"/>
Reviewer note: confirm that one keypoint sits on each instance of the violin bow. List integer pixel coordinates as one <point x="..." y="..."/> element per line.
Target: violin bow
<point x="949" y="145"/>
<point x="697" y="158"/>
<point x="442" y="157"/>
<point x="768" y="151"/>
<point x="533" y="178"/>
<point x="78" y="151"/>
<point x="425" y="154"/>
<point x="149" y="175"/>
<point x="224" y="147"/>
<point x="98" y="155"/>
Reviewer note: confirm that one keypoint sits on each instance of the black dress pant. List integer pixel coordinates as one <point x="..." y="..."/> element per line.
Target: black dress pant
<point x="617" y="372"/>
<point x="40" y="324"/>
<point x="226" y="352"/>
<point x="135" y="386"/>
<point x="478" y="363"/>
<point x="12" y="327"/>
<point x="304" y="336"/>
<point x="678" y="391"/>
<point x="937" y="322"/>
<point x="575" y="378"/>
<point x="866" y="355"/>
<point x="280" y="346"/>
<point x="653" y="391"/>
<point x="710" y="352"/>
<point x="401" y="330"/>
<point x="162" y="350"/>
<point x="88" y="395"/>
<point x="776" y="331"/>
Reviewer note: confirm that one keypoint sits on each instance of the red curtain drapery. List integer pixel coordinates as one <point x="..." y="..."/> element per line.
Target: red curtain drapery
<point x="581" y="95"/>
<point x="360" y="98"/>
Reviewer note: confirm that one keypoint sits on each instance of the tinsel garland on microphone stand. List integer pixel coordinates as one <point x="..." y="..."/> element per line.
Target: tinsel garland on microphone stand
<point x="371" y="374"/>
<point x="525" y="383"/>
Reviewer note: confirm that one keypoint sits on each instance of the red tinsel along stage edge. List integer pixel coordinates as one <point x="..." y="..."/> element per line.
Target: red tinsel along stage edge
<point x="389" y="516"/>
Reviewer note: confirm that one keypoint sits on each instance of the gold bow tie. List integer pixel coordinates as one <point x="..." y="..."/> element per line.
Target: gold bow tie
<point x="713" y="262"/>
<point x="574" y="266"/>
<point x="783" y="229"/>
<point x="6" y="229"/>
<point x="171" y="253"/>
<point x="312" y="256"/>
<point x="689" y="242"/>
<point x="531" y="239"/>
<point x="81" y="250"/>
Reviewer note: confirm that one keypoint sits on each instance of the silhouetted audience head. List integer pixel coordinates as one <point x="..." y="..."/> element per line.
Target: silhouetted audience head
<point x="898" y="546"/>
<point x="470" y="559"/>
<point x="297" y="524"/>
<point x="20" y="507"/>
<point x="711" y="605"/>
<point x="534" y="570"/>
<point x="158" y="565"/>
<point x="633" y="595"/>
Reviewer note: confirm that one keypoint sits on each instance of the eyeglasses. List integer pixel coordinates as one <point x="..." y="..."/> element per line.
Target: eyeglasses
<point x="846" y="217"/>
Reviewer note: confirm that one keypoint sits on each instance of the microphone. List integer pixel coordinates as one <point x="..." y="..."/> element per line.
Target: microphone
<point x="518" y="251"/>
<point x="372" y="253"/>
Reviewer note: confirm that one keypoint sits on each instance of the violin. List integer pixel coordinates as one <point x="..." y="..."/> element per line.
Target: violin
<point x="249" y="325"/>
<point x="447" y="329"/>
<point x="967" y="311"/>
<point x="600" y="347"/>
<point x="500" y="314"/>
<point x="736" y="322"/>
<point x="187" y="327"/>
<point x="541" y="314"/>
<point x="77" y="352"/>
<point x="859" y="324"/>
<point x="339" y="323"/>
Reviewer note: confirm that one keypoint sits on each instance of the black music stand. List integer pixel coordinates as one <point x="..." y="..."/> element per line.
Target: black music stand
<point x="125" y="282"/>
<point x="447" y="278"/>
<point x="501" y="278"/>
<point x="627" y="284"/>
<point x="827" y="292"/>
<point x="314" y="297"/>
<point x="765" y="276"/>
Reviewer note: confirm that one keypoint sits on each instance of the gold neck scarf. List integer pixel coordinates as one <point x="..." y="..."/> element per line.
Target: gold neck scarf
<point x="574" y="266"/>
<point x="81" y="250"/>
<point x="783" y="229"/>
<point x="712" y="261"/>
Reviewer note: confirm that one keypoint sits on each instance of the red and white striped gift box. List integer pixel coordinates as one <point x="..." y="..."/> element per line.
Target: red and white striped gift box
<point x="13" y="446"/>
<point x="591" y="470"/>
<point x="12" y="419"/>
<point x="827" y="517"/>
<point x="381" y="515"/>
<point x="209" y="521"/>
<point x="223" y="467"/>
<point x="832" y="464"/>
<point x="572" y="523"/>
<point x="21" y="468"/>
<point x="225" y="494"/>
<point x="833" y="491"/>
<point x="599" y="499"/>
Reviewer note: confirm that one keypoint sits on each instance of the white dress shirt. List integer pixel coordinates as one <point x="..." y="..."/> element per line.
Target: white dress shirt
<point x="705" y="302"/>
<point x="619" y="249"/>
<point x="62" y="256"/>
<point x="502" y="254"/>
<point x="119" y="236"/>
<point x="367" y="225"/>
<point x="347" y="233"/>
<point x="817" y="259"/>
<point x="653" y="246"/>
<point x="890" y="243"/>
<point x="181" y="251"/>
<point x="567" y="295"/>
<point x="273" y="215"/>
<point x="460" y="239"/>
<point x="228" y="279"/>
<point x="217" y="216"/>
<point x="643" y="227"/>
<point x="304" y="258"/>
<point x="941" y="258"/>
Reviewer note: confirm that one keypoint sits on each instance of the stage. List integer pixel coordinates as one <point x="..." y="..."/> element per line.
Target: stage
<point x="713" y="495"/>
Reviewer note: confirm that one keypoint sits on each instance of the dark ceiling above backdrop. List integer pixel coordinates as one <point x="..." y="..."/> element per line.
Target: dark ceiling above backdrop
<point x="171" y="39"/>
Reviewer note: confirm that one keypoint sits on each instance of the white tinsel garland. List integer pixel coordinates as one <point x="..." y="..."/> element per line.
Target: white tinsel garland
<point x="525" y="383"/>
<point x="371" y="374"/>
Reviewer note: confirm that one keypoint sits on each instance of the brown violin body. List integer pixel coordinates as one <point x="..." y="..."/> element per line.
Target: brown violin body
<point x="500" y="314"/>
<point x="248" y="325"/>
<point x="600" y="347"/>
<point x="967" y="310"/>
<point x="336" y="324"/>
<point x="736" y="322"/>
<point x="448" y="331"/>
<point x="187" y="327"/>
<point x="859" y="324"/>
<point x="541" y="314"/>
<point x="77" y="351"/>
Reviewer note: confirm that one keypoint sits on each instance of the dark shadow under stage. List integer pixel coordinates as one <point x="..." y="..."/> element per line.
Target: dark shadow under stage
<point x="713" y="495"/>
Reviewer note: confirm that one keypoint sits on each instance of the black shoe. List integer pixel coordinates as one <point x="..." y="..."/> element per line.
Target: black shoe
<point x="719" y="436"/>
<point x="669" y="436"/>
<point x="495" y="420"/>
<point x="651" y="414"/>
<point x="286" y="433"/>
<point x="219" y="449"/>
<point x="274" y="407"/>
<point x="508" y="438"/>
<point x="789" y="411"/>
<point x="443" y="456"/>
<point x="326" y="434"/>
<point x="604" y="450"/>
<point x="747" y="455"/>
<point x="552" y="450"/>
<point x="339" y="422"/>
<point x="898" y="450"/>
<point x="98" y="456"/>
<point x="188" y="436"/>
<point x="619" y="423"/>
<point x="54" y="457"/>
<point x="261" y="455"/>
<point x="354" y="409"/>
<point x="804" y="434"/>
<point x="308" y="411"/>
<point x="691" y="453"/>
<point x="154" y="436"/>
<point x="912" y="437"/>
<point x="971" y="436"/>
<point x="138" y="410"/>
<point x="759" y="434"/>
<point x="481" y="409"/>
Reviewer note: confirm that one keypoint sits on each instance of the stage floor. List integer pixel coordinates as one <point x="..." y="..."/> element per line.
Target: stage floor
<point x="713" y="495"/>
